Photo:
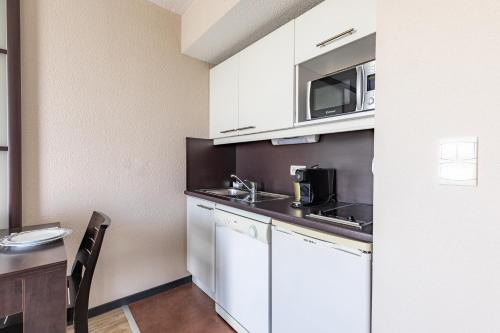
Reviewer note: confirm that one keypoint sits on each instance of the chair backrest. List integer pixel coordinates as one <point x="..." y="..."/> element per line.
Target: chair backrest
<point x="85" y="262"/>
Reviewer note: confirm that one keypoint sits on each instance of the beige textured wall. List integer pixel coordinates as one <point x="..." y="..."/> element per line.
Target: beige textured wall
<point x="107" y="103"/>
<point x="436" y="251"/>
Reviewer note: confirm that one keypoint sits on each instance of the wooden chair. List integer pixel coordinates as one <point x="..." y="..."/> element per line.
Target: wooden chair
<point x="83" y="269"/>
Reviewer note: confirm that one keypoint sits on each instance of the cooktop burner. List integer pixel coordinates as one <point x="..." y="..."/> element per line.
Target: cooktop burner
<point x="353" y="215"/>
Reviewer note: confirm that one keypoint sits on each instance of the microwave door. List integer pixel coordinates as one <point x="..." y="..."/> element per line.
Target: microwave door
<point x="333" y="95"/>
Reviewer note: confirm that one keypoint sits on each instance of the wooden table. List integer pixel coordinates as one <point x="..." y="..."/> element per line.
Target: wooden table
<point x="33" y="281"/>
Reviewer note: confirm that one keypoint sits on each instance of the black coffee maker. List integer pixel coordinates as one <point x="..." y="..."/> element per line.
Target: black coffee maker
<point x="314" y="186"/>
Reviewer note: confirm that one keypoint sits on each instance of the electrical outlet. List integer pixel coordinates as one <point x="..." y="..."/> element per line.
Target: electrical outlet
<point x="294" y="168"/>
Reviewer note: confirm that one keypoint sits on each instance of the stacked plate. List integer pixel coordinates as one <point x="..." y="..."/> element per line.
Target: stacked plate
<point x="34" y="237"/>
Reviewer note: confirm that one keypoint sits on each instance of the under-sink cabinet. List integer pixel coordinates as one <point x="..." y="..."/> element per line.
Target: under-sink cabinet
<point x="201" y="243"/>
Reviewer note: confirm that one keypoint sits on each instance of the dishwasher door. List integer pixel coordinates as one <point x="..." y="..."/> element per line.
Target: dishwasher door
<point x="242" y="271"/>
<point x="318" y="286"/>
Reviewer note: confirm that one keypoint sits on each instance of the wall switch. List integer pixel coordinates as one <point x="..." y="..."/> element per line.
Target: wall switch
<point x="294" y="168"/>
<point x="458" y="161"/>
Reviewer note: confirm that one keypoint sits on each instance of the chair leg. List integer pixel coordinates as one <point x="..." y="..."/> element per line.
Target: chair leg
<point x="69" y="316"/>
<point x="81" y="323"/>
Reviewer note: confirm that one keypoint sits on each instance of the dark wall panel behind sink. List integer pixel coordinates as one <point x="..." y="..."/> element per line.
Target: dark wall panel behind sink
<point x="350" y="153"/>
<point x="208" y="166"/>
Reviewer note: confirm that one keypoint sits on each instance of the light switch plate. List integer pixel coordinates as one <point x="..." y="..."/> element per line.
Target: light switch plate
<point x="294" y="168"/>
<point x="458" y="161"/>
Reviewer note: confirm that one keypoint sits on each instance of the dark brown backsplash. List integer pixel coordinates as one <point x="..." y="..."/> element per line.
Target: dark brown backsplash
<point x="350" y="153"/>
<point x="208" y="166"/>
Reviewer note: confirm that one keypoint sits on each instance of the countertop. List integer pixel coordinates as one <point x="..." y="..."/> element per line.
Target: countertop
<point x="282" y="210"/>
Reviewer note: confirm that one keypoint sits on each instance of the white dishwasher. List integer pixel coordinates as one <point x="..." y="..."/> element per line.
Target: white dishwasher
<point x="320" y="282"/>
<point x="242" y="269"/>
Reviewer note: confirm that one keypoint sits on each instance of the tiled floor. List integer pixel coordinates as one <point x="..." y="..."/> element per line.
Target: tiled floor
<point x="185" y="309"/>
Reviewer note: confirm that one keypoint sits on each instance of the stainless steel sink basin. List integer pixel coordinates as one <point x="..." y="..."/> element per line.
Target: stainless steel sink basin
<point x="229" y="192"/>
<point x="245" y="195"/>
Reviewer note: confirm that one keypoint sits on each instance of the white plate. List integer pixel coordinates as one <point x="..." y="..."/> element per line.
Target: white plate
<point x="34" y="237"/>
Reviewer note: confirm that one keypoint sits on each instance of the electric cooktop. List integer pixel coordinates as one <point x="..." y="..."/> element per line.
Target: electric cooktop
<point x="352" y="215"/>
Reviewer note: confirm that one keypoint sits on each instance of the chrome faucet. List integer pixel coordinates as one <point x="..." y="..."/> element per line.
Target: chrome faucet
<point x="253" y="185"/>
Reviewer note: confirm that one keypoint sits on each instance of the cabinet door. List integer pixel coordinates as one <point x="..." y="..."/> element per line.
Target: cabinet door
<point x="266" y="81"/>
<point x="328" y="26"/>
<point x="201" y="243"/>
<point x="224" y="98"/>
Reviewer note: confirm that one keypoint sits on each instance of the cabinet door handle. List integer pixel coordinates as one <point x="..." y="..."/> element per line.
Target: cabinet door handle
<point x="336" y="37"/>
<point x="228" y="131"/>
<point x="245" y="128"/>
<point x="205" y="207"/>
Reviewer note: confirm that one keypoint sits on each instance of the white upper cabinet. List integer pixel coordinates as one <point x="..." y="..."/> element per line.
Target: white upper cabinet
<point x="254" y="91"/>
<point x="331" y="24"/>
<point x="224" y="98"/>
<point x="266" y="82"/>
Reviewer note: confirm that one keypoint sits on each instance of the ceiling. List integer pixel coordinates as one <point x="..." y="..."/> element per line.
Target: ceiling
<point x="245" y="23"/>
<point x="176" y="6"/>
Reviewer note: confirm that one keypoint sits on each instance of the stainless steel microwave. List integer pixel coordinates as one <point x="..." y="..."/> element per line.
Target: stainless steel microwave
<point x="346" y="91"/>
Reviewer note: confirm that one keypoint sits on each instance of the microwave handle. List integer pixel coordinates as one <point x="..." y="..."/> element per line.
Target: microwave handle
<point x="308" y="99"/>
<point x="359" y="87"/>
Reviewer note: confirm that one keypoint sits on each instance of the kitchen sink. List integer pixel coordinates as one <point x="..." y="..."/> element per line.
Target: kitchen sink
<point x="243" y="195"/>
<point x="227" y="192"/>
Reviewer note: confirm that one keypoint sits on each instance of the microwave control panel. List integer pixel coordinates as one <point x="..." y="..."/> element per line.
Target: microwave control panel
<point x="369" y="70"/>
